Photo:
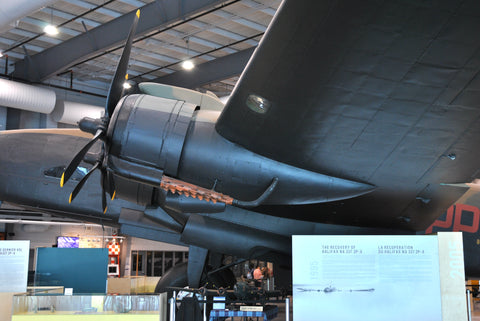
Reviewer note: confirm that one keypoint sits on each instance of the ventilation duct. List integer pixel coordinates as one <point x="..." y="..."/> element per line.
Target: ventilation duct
<point x="26" y="97"/>
<point x="43" y="100"/>
<point x="68" y="112"/>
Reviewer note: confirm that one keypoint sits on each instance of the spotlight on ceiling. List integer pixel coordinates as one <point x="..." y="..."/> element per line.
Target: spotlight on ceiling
<point x="188" y="65"/>
<point x="51" y="30"/>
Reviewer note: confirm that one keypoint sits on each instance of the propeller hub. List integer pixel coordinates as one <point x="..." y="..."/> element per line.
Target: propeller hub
<point x="91" y="125"/>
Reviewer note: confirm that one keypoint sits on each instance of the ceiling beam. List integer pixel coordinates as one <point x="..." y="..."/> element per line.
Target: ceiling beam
<point x="155" y="15"/>
<point x="209" y="72"/>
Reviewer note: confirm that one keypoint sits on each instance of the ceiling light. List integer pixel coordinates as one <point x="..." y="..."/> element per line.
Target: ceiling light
<point x="51" y="30"/>
<point x="188" y="65"/>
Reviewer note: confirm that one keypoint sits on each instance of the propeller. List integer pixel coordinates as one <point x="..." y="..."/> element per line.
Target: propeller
<point x="98" y="127"/>
<point x="78" y="158"/>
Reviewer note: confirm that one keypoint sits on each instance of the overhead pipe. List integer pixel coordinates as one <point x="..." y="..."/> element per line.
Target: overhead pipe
<point x="22" y="96"/>
<point x="20" y="221"/>
<point x="69" y="112"/>
<point x="43" y="100"/>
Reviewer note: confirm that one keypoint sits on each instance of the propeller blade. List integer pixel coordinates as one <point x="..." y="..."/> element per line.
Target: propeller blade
<point x="104" y="194"/>
<point x="78" y="158"/>
<point x="111" y="184"/>
<point x="79" y="186"/>
<point x="116" y="87"/>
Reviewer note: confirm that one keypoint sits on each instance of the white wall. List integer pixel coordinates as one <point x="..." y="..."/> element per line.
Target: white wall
<point x="46" y="236"/>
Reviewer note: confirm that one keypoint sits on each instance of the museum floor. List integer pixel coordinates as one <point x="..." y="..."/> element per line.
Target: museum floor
<point x="281" y="312"/>
<point x="476" y="311"/>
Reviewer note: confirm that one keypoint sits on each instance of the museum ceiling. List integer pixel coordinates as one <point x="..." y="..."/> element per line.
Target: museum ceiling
<point x="218" y="36"/>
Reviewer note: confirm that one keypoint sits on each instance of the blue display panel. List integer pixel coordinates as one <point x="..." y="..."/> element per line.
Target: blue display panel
<point x="68" y="242"/>
<point x="84" y="270"/>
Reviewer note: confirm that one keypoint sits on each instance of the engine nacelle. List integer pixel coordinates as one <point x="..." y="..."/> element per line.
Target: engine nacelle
<point x="163" y="143"/>
<point x="146" y="135"/>
<point x="150" y="130"/>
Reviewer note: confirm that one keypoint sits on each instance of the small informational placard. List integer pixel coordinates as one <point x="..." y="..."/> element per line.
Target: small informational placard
<point x="366" y="278"/>
<point x="68" y="291"/>
<point x="219" y="305"/>
<point x="14" y="265"/>
<point x="254" y="308"/>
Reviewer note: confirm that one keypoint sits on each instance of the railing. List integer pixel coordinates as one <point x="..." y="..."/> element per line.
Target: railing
<point x="233" y="306"/>
<point x="86" y="304"/>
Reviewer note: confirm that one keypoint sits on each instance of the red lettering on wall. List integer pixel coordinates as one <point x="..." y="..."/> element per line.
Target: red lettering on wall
<point x="443" y="224"/>
<point x="453" y="220"/>
<point x="457" y="223"/>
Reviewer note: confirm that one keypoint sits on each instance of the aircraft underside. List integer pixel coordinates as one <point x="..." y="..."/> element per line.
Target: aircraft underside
<point x="365" y="123"/>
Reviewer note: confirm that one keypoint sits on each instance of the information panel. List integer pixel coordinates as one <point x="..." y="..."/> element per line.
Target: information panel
<point x="366" y="278"/>
<point x="14" y="265"/>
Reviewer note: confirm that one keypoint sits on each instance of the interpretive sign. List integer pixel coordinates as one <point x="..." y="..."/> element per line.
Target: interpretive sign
<point x="14" y="265"/>
<point x="367" y="278"/>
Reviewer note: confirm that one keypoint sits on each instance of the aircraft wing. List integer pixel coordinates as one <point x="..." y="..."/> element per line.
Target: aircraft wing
<point x="380" y="92"/>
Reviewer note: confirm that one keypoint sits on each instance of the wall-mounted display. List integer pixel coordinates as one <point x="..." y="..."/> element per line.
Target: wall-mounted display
<point x="68" y="242"/>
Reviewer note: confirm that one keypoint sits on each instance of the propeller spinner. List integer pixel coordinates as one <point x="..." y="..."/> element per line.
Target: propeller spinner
<point x="99" y="127"/>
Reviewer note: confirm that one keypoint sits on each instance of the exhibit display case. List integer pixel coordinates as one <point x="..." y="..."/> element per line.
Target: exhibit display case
<point x="88" y="307"/>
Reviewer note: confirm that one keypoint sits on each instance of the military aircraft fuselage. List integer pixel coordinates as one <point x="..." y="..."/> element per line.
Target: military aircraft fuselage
<point x="32" y="162"/>
<point x="32" y="168"/>
<point x="365" y="123"/>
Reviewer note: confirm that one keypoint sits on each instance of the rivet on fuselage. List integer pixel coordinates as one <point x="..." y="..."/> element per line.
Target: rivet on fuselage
<point x="452" y="156"/>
